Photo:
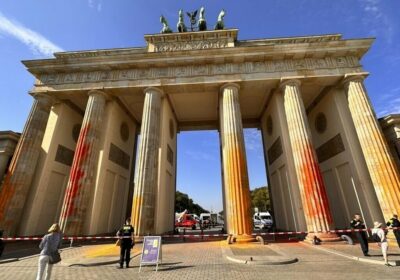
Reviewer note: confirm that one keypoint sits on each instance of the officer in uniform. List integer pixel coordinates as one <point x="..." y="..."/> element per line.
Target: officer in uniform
<point x="395" y="223"/>
<point x="125" y="234"/>
<point x="357" y="223"/>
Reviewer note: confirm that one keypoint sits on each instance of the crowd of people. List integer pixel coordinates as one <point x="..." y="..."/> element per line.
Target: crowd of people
<point x="378" y="234"/>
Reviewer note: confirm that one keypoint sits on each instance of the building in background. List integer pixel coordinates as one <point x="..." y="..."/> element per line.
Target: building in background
<point x="8" y="142"/>
<point x="391" y="128"/>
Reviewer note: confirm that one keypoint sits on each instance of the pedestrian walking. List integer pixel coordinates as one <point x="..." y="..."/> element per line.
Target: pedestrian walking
<point x="357" y="223"/>
<point x="379" y="235"/>
<point x="49" y="255"/>
<point x="394" y="224"/>
<point x="126" y="242"/>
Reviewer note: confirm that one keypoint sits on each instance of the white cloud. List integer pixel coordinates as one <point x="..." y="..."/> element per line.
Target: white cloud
<point x="36" y="42"/>
<point x="95" y="4"/>
<point x="376" y="20"/>
<point x="253" y="140"/>
<point x="389" y="103"/>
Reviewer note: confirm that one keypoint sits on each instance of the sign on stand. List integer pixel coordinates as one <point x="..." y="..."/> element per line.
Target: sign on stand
<point x="151" y="251"/>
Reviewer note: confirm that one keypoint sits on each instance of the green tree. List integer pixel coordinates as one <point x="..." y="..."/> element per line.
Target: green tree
<point x="183" y="201"/>
<point x="260" y="199"/>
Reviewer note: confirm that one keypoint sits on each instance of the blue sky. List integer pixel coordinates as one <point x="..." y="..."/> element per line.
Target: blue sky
<point x="34" y="29"/>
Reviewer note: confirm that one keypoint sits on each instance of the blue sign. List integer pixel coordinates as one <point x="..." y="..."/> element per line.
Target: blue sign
<point x="151" y="251"/>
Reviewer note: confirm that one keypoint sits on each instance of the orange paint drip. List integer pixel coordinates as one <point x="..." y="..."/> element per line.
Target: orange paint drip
<point x="238" y="194"/>
<point x="77" y="173"/>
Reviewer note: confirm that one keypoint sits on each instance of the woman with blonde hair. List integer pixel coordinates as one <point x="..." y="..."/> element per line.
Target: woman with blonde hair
<point x="49" y="255"/>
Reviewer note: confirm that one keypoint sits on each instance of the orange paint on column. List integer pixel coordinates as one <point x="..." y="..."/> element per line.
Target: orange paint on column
<point x="18" y="181"/>
<point x="84" y="166"/>
<point x="312" y="189"/>
<point x="380" y="163"/>
<point x="236" y="182"/>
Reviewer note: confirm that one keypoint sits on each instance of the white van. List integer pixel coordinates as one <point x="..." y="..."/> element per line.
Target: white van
<point x="263" y="220"/>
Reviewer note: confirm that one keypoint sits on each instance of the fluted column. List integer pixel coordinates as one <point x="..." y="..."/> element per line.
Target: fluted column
<point x="236" y="181"/>
<point x="19" y="178"/>
<point x="144" y="197"/>
<point x="82" y="176"/>
<point x="312" y="189"/>
<point x="379" y="160"/>
<point x="4" y="158"/>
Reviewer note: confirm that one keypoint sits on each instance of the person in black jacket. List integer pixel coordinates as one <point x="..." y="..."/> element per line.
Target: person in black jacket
<point x="357" y="223"/>
<point x="395" y="224"/>
<point x="125" y="234"/>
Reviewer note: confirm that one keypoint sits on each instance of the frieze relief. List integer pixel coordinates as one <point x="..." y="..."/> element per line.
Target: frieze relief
<point x="187" y="46"/>
<point x="201" y="70"/>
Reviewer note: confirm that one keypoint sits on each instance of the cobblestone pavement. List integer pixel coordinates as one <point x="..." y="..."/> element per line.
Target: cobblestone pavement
<point x="204" y="260"/>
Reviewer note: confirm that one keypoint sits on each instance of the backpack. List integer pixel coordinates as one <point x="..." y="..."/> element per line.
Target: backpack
<point x="376" y="237"/>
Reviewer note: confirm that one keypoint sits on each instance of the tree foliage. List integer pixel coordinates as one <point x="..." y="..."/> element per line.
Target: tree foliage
<point x="183" y="201"/>
<point x="260" y="199"/>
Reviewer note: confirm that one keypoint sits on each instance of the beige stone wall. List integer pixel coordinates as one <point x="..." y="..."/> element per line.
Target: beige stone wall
<point x="165" y="197"/>
<point x="286" y="200"/>
<point x="47" y="190"/>
<point x="343" y="168"/>
<point x="110" y="195"/>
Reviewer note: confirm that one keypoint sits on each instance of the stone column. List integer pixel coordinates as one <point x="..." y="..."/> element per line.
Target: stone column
<point x="312" y="189"/>
<point x="144" y="197"/>
<point x="380" y="162"/>
<point x="16" y="185"/>
<point x="236" y="181"/>
<point x="82" y="176"/>
<point x="4" y="158"/>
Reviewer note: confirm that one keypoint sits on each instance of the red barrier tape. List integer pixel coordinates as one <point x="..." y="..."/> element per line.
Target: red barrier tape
<point x="194" y="235"/>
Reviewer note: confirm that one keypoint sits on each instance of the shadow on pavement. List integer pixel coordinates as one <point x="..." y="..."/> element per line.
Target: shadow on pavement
<point x="161" y="268"/>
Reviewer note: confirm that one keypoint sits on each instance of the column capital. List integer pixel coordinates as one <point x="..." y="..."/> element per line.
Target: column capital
<point x="356" y="77"/>
<point x="154" y="89"/>
<point x="227" y="85"/>
<point x="101" y="93"/>
<point x="46" y="99"/>
<point x="289" y="82"/>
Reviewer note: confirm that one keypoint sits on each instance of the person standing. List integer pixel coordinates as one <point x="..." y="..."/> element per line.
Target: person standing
<point x="50" y="244"/>
<point x="125" y="234"/>
<point x="358" y="224"/>
<point x="394" y="223"/>
<point x="379" y="235"/>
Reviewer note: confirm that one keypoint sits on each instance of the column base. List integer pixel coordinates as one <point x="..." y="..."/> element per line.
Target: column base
<point x="323" y="237"/>
<point x="243" y="238"/>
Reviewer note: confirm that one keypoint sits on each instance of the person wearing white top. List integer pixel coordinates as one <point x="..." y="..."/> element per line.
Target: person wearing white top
<point x="382" y="240"/>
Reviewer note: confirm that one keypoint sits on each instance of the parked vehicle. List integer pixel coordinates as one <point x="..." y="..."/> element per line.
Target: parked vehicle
<point x="263" y="220"/>
<point x="186" y="221"/>
<point x="205" y="220"/>
<point x="220" y="220"/>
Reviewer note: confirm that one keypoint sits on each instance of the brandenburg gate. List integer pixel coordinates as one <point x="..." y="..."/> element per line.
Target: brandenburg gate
<point x="325" y="153"/>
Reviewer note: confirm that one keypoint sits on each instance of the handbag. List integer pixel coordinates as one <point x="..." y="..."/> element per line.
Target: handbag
<point x="54" y="257"/>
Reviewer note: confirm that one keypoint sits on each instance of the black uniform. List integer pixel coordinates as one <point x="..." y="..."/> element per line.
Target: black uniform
<point x="361" y="235"/>
<point x="127" y="243"/>
<point x="393" y="222"/>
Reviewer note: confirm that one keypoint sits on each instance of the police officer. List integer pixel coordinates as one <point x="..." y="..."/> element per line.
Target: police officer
<point x="395" y="223"/>
<point x="125" y="234"/>
<point x="357" y="223"/>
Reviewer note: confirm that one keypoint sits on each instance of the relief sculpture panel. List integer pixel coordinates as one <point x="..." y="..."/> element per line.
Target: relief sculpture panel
<point x="201" y="70"/>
